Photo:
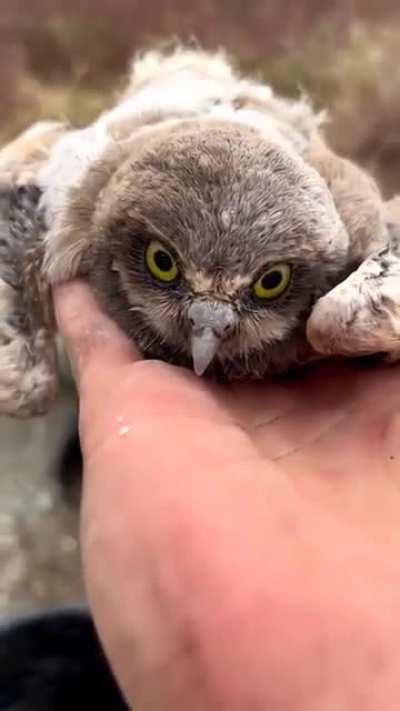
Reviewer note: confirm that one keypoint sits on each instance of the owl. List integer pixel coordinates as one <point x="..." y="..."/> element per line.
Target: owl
<point x="211" y="219"/>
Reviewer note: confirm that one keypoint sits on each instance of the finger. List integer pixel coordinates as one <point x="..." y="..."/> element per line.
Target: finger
<point x="113" y="388"/>
<point x="92" y="339"/>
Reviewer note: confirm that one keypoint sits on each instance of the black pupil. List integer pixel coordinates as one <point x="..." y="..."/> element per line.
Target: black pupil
<point x="271" y="280"/>
<point x="163" y="261"/>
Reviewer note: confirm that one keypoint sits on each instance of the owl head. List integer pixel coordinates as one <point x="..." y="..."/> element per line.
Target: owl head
<point x="210" y="245"/>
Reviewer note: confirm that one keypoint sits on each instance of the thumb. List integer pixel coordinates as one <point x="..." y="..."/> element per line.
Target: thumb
<point x="94" y="343"/>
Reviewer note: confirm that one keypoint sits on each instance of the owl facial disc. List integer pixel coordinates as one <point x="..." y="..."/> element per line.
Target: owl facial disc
<point x="211" y="321"/>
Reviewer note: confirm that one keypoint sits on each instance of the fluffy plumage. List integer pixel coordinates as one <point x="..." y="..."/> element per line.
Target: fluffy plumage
<point x="231" y="180"/>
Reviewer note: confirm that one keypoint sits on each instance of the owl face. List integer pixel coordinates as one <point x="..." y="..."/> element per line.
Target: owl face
<point x="211" y="245"/>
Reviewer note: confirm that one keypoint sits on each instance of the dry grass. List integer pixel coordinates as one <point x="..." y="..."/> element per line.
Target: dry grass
<point x="359" y="82"/>
<point x="68" y="64"/>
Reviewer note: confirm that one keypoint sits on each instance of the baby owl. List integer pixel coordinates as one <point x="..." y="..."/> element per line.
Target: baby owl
<point x="213" y="223"/>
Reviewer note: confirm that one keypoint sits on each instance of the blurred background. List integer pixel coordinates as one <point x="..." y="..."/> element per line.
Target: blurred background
<point x="68" y="61"/>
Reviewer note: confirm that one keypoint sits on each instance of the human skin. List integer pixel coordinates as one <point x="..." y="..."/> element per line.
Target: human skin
<point x="240" y="543"/>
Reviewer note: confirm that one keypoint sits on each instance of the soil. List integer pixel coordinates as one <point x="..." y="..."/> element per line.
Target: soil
<point x="39" y="551"/>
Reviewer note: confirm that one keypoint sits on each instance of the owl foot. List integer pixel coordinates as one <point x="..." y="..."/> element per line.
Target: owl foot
<point x="361" y="315"/>
<point x="28" y="375"/>
<point x="28" y="368"/>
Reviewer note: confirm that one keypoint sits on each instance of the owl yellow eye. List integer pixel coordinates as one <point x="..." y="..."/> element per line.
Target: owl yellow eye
<point x="273" y="282"/>
<point x="160" y="263"/>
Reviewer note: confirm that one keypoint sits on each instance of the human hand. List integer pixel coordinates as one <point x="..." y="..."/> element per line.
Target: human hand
<point x="240" y="542"/>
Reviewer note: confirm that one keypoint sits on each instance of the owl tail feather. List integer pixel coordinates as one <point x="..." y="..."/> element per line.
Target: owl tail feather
<point x="54" y="662"/>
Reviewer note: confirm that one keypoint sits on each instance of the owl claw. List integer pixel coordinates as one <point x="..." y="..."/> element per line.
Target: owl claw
<point x="361" y="315"/>
<point x="28" y="376"/>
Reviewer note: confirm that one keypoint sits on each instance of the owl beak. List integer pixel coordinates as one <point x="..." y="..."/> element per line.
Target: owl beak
<point x="212" y="322"/>
<point x="204" y="348"/>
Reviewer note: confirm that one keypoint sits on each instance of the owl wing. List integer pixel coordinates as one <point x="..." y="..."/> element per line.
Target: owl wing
<point x="356" y="196"/>
<point x="362" y="314"/>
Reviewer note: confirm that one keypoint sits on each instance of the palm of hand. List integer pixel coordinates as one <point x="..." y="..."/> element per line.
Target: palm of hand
<point x="335" y="432"/>
<point x="262" y="523"/>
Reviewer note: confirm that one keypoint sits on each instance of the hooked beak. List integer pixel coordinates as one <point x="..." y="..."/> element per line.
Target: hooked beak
<point x="211" y="321"/>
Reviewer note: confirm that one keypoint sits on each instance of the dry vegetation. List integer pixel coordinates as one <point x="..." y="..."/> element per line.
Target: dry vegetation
<point x="68" y="64"/>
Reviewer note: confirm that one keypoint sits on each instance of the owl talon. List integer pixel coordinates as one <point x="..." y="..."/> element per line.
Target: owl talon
<point x="361" y="316"/>
<point x="28" y="376"/>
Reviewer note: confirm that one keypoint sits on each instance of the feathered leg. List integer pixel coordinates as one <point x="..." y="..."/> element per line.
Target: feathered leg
<point x="361" y="315"/>
<point x="28" y="379"/>
<point x="28" y="371"/>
